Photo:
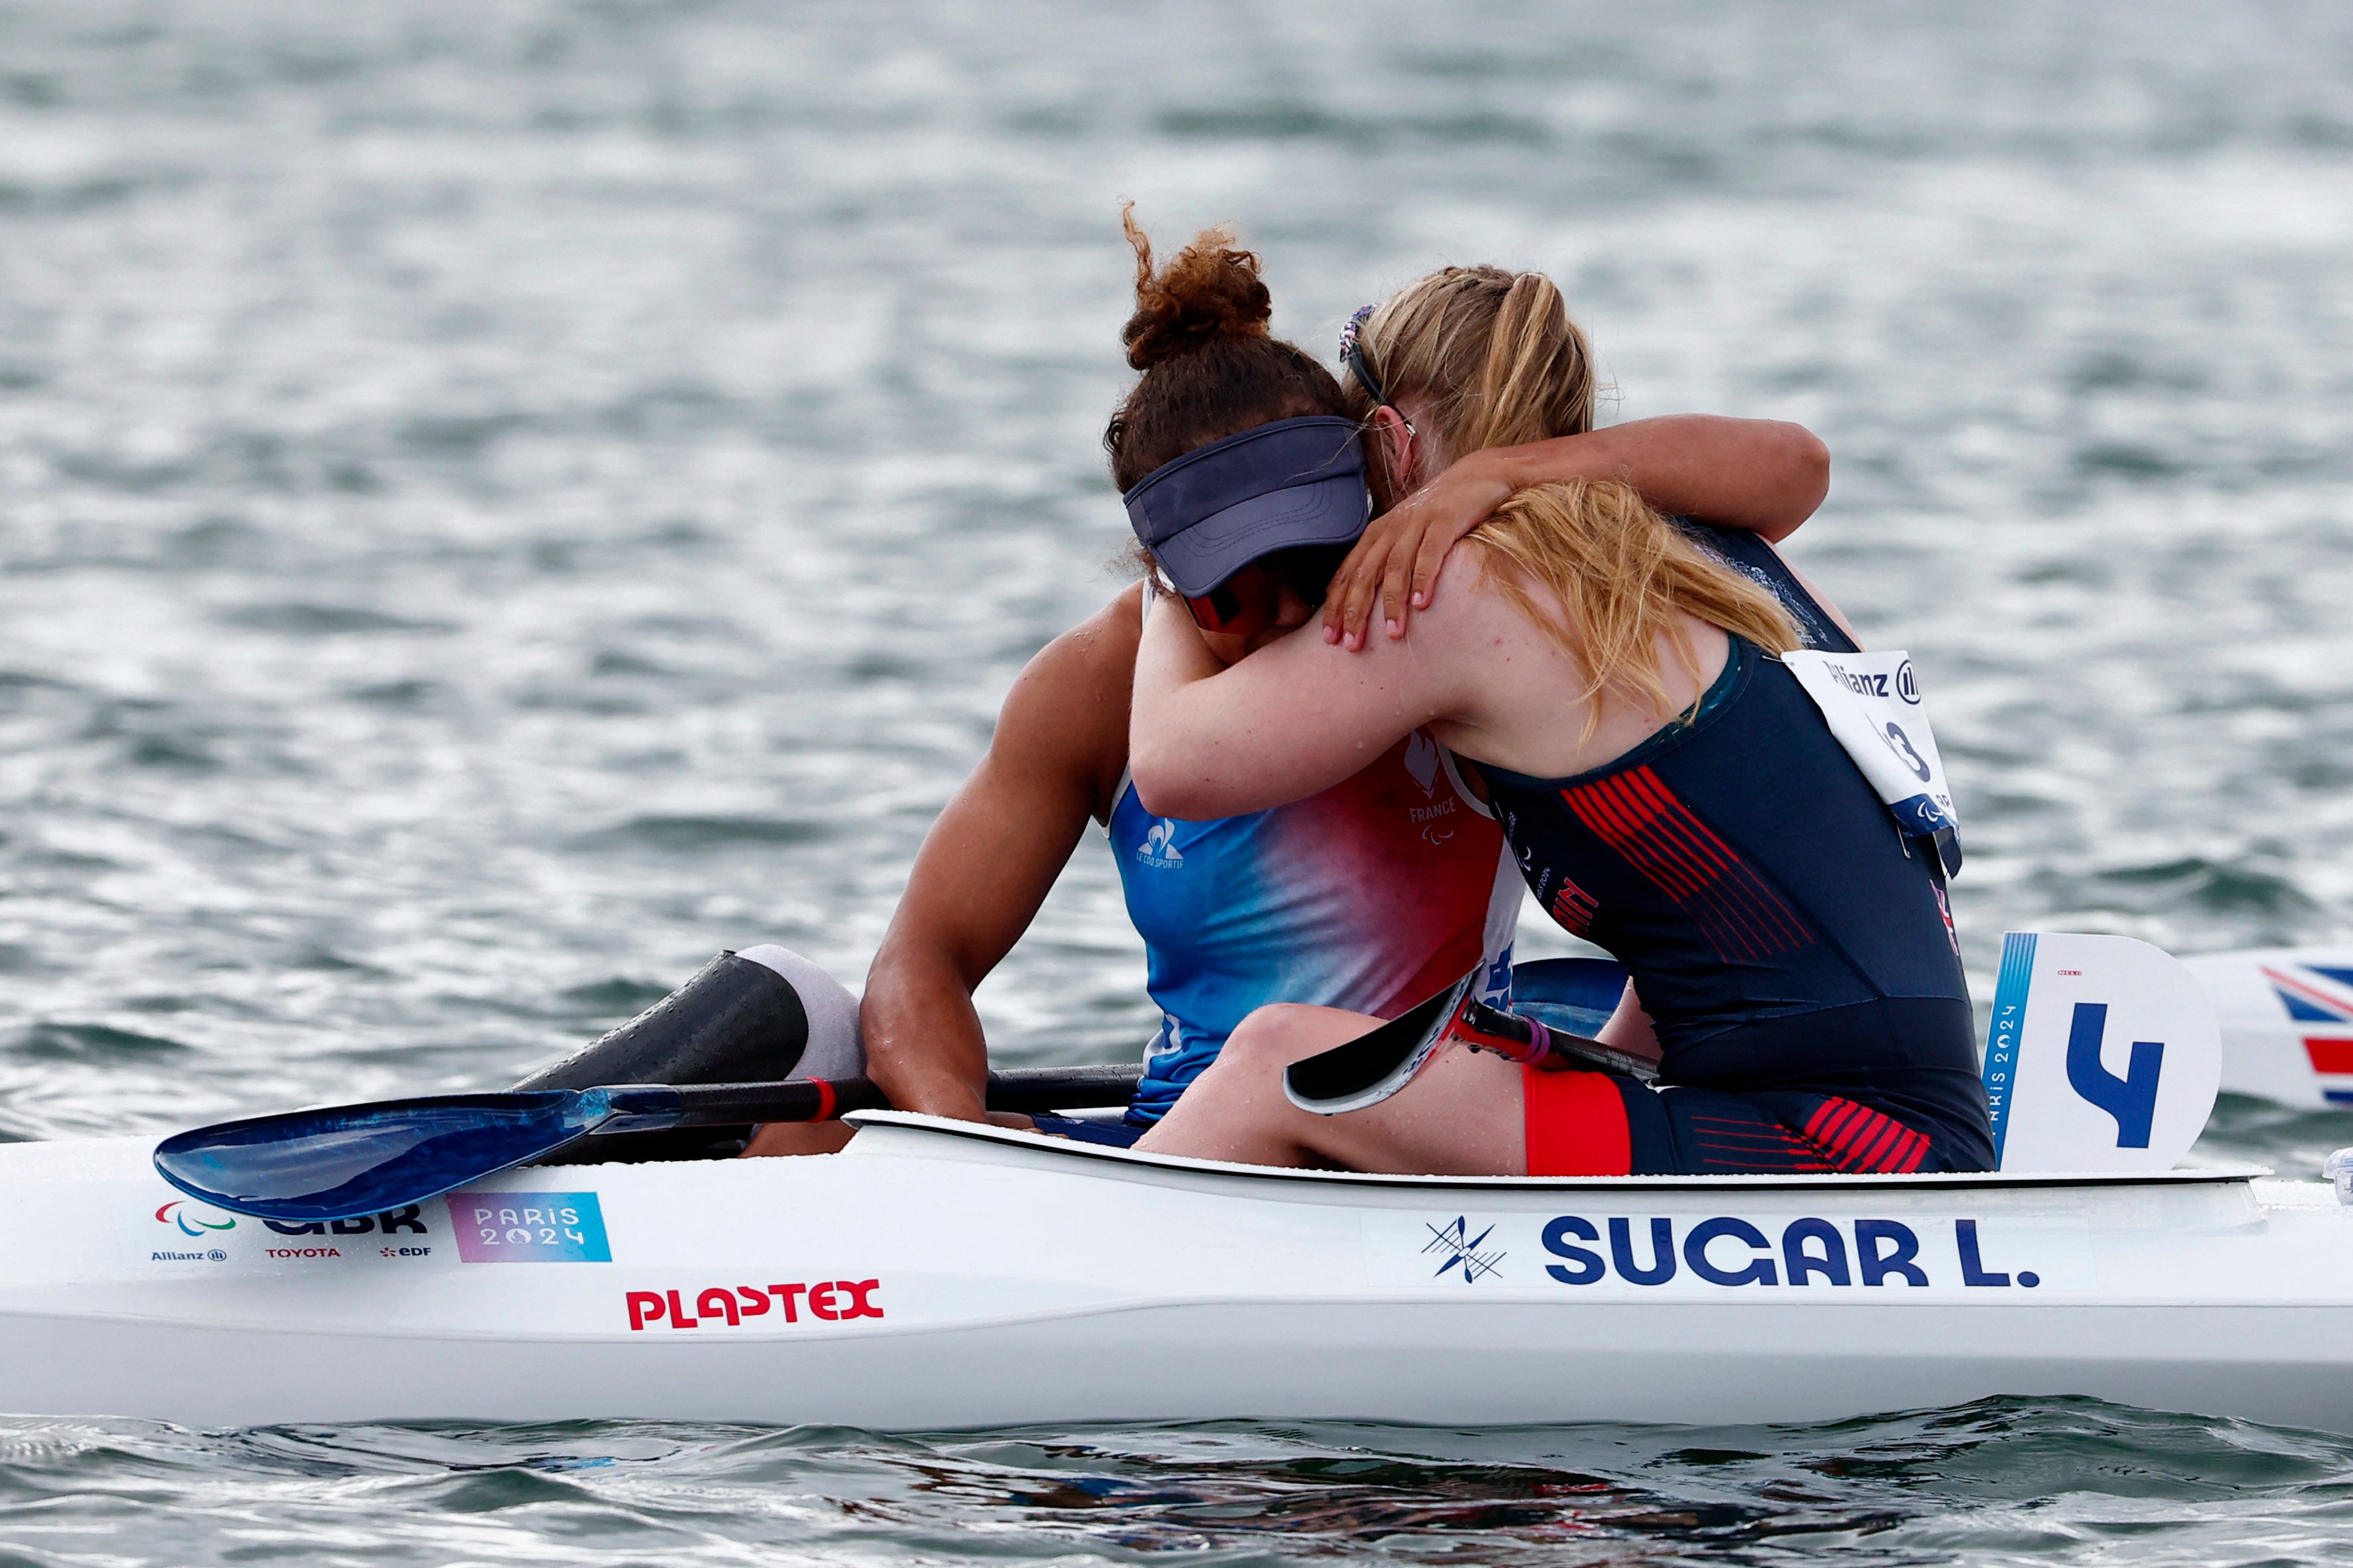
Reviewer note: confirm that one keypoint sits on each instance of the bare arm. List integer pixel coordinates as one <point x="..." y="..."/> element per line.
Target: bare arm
<point x="989" y="861"/>
<point x="1208" y="740"/>
<point x="1762" y="475"/>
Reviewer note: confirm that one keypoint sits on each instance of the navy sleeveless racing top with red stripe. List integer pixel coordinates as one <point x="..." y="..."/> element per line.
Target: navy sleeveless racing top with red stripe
<point x="1778" y="930"/>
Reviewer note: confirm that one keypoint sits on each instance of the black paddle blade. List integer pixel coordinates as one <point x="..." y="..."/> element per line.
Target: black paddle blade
<point x="1376" y="1064"/>
<point x="366" y="1159"/>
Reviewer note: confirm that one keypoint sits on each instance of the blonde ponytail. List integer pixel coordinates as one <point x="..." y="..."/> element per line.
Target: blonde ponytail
<point x="1494" y="352"/>
<point x="1499" y="362"/>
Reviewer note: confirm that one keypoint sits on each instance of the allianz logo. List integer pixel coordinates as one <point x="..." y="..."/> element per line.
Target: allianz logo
<point x="1859" y="682"/>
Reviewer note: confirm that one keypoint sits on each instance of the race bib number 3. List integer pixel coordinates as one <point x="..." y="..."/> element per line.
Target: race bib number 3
<point x="1872" y="703"/>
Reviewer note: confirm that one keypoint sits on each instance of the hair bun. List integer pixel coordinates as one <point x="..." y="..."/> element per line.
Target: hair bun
<point x="1210" y="290"/>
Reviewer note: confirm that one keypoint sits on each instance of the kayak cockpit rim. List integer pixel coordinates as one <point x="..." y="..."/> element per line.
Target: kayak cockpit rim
<point x="915" y="1128"/>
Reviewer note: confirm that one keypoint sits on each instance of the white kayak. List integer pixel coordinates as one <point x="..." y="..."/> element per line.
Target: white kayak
<point x="946" y="1275"/>
<point x="2286" y="1015"/>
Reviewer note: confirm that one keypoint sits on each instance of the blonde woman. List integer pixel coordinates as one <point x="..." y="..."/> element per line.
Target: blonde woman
<point x="1668" y="788"/>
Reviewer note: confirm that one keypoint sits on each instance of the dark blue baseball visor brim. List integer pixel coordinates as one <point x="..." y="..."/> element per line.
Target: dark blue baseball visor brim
<point x="1281" y="485"/>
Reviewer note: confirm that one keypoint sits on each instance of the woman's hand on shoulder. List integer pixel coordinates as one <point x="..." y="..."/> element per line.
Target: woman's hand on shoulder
<point x="1397" y="559"/>
<point x="1761" y="474"/>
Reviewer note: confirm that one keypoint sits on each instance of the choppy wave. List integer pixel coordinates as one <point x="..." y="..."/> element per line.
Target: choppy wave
<point x="2000" y="1480"/>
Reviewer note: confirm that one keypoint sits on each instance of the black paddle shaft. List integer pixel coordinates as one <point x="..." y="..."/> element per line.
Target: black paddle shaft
<point x="815" y="1100"/>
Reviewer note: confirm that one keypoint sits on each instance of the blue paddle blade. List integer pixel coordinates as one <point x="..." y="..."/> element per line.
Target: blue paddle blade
<point x="355" y="1159"/>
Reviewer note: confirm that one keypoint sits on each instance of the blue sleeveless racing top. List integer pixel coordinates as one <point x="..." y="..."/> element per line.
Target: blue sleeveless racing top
<point x="1777" y="929"/>
<point x="1373" y="895"/>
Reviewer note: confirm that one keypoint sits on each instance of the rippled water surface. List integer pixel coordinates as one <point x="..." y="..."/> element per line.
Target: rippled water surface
<point x="499" y="499"/>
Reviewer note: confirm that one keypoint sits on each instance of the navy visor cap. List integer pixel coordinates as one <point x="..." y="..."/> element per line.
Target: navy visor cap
<point x="1278" y="487"/>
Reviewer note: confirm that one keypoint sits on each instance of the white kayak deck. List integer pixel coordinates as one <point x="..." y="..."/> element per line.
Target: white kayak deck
<point x="942" y="1274"/>
<point x="1061" y="1148"/>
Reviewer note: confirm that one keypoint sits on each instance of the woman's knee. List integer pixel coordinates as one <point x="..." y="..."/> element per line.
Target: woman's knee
<point x="1260" y="1047"/>
<point x="1280" y="1034"/>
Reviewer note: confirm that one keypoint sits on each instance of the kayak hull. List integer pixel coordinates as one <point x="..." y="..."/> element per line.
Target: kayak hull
<point x="1244" y="1362"/>
<point x="940" y="1276"/>
<point x="2286" y="1015"/>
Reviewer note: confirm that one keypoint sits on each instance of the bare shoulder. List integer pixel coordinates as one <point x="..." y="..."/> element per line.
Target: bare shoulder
<point x="1093" y="660"/>
<point x="1496" y="642"/>
<point x="1470" y="605"/>
<point x="1067" y="714"/>
<point x="1473" y="643"/>
<point x="1809" y="584"/>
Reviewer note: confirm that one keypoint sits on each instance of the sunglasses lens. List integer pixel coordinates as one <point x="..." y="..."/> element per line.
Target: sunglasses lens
<point x="1251" y="600"/>
<point x="1307" y="571"/>
<point x="1218" y="610"/>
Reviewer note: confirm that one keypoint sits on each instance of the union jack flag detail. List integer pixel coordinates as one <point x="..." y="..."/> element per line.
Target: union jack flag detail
<point x="2312" y="994"/>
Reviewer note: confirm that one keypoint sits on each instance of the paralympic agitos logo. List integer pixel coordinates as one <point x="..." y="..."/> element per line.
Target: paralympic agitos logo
<point x="190" y="1220"/>
<point x="177" y="1213"/>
